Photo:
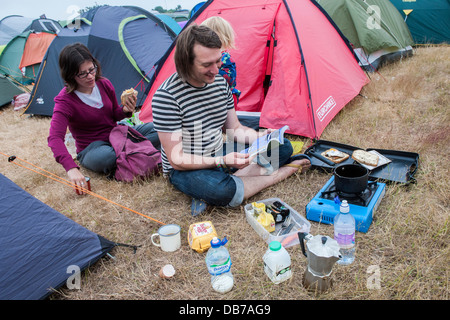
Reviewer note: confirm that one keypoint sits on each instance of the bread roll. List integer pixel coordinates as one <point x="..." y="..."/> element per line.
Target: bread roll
<point x="126" y="93"/>
<point x="365" y="157"/>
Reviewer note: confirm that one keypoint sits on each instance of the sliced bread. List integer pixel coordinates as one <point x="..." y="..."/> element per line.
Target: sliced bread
<point x="335" y="155"/>
<point x="365" y="157"/>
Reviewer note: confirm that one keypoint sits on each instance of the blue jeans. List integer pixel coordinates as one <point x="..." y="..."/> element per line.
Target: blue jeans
<point x="100" y="156"/>
<point x="220" y="187"/>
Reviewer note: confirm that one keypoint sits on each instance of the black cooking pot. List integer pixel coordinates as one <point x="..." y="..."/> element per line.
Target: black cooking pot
<point x="351" y="178"/>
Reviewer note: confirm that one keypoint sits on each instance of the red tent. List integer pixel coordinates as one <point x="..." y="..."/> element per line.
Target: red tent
<point x="293" y="65"/>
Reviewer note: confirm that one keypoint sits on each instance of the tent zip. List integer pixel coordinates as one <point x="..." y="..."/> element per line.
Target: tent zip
<point x="44" y="63"/>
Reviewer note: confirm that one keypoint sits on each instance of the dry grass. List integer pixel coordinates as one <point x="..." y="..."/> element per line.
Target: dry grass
<point x="406" y="107"/>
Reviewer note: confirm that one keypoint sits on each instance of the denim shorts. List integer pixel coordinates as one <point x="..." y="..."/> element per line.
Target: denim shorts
<point x="214" y="186"/>
<point x="219" y="186"/>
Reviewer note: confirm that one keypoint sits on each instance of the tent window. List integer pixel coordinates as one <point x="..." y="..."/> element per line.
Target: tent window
<point x="49" y="26"/>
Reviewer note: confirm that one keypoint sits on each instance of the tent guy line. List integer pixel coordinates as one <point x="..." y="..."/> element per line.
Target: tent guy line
<point x="11" y="159"/>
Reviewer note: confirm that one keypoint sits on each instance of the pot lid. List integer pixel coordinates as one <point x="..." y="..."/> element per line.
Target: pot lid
<point x="323" y="246"/>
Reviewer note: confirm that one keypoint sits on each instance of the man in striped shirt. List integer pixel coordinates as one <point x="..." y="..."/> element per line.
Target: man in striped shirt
<point x="191" y="111"/>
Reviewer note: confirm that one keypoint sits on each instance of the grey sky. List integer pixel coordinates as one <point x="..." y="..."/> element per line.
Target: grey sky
<point x="65" y="9"/>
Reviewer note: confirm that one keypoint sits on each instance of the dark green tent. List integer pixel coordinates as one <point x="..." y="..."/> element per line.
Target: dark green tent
<point x="22" y="56"/>
<point x="7" y="90"/>
<point x="375" y="29"/>
<point x="428" y="20"/>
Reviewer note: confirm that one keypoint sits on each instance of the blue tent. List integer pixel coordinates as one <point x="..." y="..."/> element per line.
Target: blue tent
<point x="170" y="22"/>
<point x="44" y="25"/>
<point x="196" y="8"/>
<point x="40" y="246"/>
<point x="128" y="42"/>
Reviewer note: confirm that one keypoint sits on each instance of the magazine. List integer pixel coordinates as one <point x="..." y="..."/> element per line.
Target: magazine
<point x="267" y="142"/>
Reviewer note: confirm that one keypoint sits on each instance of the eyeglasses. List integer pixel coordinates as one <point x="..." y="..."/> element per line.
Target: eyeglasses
<point x="84" y="75"/>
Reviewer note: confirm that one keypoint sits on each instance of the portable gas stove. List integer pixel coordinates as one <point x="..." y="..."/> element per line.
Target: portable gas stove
<point x="325" y="205"/>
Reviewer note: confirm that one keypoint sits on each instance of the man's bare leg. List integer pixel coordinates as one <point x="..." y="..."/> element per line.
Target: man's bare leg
<point x="255" y="182"/>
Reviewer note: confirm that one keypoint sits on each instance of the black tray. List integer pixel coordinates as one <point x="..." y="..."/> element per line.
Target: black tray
<point x="320" y="146"/>
<point x="401" y="169"/>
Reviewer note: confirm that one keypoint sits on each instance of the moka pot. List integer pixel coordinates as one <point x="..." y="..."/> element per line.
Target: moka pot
<point x="322" y="253"/>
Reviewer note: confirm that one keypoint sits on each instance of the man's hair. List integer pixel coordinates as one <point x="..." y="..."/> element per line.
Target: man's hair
<point x="184" y="51"/>
<point x="71" y="58"/>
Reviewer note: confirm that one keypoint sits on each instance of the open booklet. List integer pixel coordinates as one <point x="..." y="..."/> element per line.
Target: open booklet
<point x="267" y="142"/>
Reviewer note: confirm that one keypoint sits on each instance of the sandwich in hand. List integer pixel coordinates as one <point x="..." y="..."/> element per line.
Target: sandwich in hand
<point x="335" y="155"/>
<point x="365" y="157"/>
<point x="126" y="94"/>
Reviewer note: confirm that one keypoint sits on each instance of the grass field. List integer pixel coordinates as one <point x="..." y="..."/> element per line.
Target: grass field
<point x="405" y="107"/>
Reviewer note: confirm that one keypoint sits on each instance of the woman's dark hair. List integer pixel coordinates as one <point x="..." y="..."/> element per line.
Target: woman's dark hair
<point x="71" y="58"/>
<point x="184" y="51"/>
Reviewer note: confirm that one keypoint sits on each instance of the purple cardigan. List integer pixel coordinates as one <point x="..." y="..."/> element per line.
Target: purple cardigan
<point x="87" y="124"/>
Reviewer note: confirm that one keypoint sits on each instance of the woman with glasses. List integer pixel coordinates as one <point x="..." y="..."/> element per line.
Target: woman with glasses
<point x="88" y="106"/>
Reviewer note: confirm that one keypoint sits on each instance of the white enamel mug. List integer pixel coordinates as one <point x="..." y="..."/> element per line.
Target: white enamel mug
<point x="169" y="237"/>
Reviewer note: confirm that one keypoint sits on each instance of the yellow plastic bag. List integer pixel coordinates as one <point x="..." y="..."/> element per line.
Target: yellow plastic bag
<point x="267" y="221"/>
<point x="258" y="208"/>
<point x="297" y="146"/>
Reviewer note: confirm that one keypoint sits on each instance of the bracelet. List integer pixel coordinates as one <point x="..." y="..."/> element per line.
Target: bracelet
<point x="220" y="163"/>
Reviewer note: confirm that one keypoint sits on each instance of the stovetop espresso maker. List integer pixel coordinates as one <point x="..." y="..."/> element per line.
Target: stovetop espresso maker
<point x="322" y="253"/>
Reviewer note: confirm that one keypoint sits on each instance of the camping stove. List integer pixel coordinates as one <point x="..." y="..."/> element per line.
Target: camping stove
<point x="325" y="205"/>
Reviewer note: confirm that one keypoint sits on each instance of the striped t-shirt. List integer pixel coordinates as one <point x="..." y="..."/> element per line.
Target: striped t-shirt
<point x="200" y="113"/>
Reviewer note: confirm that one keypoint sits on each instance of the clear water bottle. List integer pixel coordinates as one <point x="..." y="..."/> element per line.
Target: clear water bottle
<point x="344" y="233"/>
<point x="218" y="262"/>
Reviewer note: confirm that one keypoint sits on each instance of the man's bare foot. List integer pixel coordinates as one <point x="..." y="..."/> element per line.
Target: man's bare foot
<point x="301" y="166"/>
